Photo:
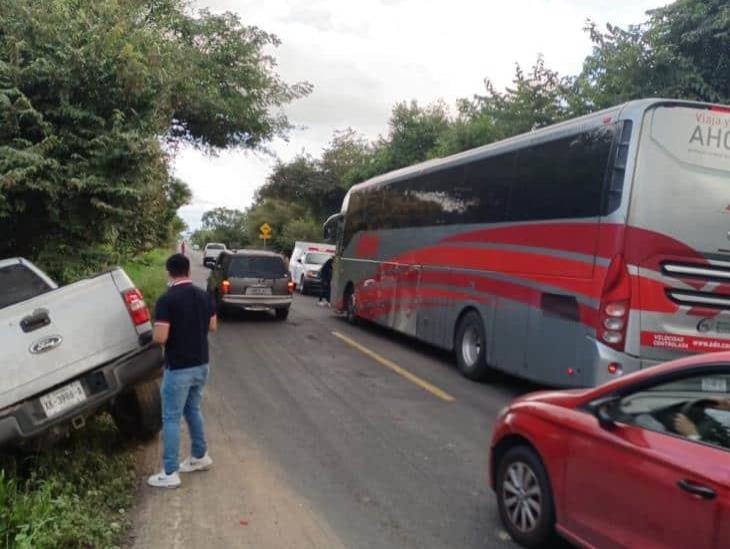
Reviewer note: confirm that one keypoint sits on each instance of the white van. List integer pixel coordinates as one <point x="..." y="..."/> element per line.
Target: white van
<point x="296" y="267"/>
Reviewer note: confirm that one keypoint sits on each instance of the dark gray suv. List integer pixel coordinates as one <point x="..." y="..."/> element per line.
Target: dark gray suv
<point x="251" y="280"/>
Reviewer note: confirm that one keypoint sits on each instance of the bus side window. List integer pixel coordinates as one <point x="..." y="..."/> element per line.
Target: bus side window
<point x="490" y="180"/>
<point x="569" y="187"/>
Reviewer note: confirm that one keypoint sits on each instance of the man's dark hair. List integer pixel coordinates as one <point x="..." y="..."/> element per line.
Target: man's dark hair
<point x="178" y="265"/>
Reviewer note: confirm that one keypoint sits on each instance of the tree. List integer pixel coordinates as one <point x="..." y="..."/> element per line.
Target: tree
<point x="413" y="132"/>
<point x="278" y="214"/>
<point x="225" y="225"/>
<point x="691" y="38"/>
<point x="680" y="52"/>
<point x="93" y="98"/>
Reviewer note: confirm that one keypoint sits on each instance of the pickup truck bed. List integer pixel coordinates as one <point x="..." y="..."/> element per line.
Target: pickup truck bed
<point x="66" y="352"/>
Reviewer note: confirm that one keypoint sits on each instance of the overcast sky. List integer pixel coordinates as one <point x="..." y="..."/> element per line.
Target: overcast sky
<point x="364" y="56"/>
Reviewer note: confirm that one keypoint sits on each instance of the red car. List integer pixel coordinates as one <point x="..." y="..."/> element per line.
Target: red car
<point x="643" y="461"/>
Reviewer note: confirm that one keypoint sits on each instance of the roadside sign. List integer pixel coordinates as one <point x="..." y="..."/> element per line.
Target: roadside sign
<point x="265" y="232"/>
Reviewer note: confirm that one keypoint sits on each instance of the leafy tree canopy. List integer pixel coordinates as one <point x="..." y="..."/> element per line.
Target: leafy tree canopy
<point x="94" y="96"/>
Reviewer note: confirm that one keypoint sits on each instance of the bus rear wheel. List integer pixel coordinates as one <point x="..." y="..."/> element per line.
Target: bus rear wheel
<point x="471" y="349"/>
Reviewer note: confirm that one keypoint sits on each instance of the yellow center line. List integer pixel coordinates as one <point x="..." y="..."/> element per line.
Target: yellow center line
<point x="423" y="384"/>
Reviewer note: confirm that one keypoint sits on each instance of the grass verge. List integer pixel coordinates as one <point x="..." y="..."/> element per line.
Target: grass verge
<point x="148" y="273"/>
<point x="76" y="493"/>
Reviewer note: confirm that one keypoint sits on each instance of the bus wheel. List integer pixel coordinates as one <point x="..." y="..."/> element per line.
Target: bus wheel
<point x="471" y="349"/>
<point x="351" y="304"/>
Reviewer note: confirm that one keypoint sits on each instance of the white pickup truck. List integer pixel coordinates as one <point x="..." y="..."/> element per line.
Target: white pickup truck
<point x="68" y="352"/>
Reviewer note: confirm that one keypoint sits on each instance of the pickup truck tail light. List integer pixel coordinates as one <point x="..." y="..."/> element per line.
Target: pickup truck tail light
<point x="290" y="286"/>
<point x="225" y="287"/>
<point x="136" y="306"/>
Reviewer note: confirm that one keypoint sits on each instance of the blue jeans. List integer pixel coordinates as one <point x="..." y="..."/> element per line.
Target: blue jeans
<point x="182" y="391"/>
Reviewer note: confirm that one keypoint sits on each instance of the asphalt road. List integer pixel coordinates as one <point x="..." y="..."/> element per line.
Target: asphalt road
<point x="382" y="458"/>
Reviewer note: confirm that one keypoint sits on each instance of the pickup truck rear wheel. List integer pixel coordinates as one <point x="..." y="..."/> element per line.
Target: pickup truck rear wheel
<point x="138" y="412"/>
<point x="282" y="314"/>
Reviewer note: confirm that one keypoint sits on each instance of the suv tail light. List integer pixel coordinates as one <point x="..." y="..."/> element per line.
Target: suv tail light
<point x="290" y="286"/>
<point x="615" y="299"/>
<point x="136" y="306"/>
<point x="225" y="287"/>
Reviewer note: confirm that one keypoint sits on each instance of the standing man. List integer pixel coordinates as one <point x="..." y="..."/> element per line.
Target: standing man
<point x="183" y="247"/>
<point x="325" y="274"/>
<point x="183" y="317"/>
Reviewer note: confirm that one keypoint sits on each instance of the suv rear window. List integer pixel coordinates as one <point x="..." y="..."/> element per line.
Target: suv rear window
<point x="18" y="283"/>
<point x="252" y="266"/>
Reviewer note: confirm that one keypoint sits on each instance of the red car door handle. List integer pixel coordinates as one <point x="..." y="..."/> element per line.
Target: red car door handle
<point x="704" y="492"/>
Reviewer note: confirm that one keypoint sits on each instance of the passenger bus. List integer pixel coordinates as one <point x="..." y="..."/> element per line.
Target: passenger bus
<point x="568" y="255"/>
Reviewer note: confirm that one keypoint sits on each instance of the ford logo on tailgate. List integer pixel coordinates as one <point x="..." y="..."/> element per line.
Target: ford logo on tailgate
<point x="46" y="344"/>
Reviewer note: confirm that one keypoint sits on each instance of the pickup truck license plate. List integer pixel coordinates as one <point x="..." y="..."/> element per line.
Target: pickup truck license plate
<point x="258" y="291"/>
<point x="62" y="399"/>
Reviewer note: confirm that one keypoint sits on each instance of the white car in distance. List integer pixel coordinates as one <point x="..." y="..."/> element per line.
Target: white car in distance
<point x="211" y="252"/>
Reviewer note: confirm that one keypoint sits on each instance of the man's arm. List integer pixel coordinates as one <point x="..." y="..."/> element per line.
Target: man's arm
<point x="161" y="332"/>
<point x="162" y="321"/>
<point x="213" y="322"/>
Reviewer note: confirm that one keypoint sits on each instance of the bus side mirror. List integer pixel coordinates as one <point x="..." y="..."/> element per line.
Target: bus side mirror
<point x="330" y="228"/>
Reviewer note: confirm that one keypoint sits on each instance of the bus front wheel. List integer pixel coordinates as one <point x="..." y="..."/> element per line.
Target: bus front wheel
<point x="471" y="349"/>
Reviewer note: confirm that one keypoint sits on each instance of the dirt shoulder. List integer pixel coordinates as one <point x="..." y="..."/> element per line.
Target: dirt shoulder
<point x="243" y="501"/>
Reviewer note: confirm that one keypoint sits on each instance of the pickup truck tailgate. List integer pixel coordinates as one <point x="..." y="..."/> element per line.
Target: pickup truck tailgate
<point x="60" y="334"/>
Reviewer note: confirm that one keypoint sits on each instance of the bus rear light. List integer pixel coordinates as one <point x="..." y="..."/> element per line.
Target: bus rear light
<point x="616" y="309"/>
<point x="136" y="306"/>
<point x="614" y="368"/>
<point x="613" y="323"/>
<point x="613" y="338"/>
<point x="615" y="300"/>
<point x="225" y="287"/>
<point x="570" y="371"/>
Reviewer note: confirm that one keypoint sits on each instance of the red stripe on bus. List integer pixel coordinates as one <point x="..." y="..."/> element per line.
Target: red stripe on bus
<point x="602" y="239"/>
<point x="368" y="246"/>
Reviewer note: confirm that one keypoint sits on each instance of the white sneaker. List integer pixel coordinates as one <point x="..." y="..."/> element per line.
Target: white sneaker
<point x="191" y="464"/>
<point x="162" y="480"/>
<point x="321" y="303"/>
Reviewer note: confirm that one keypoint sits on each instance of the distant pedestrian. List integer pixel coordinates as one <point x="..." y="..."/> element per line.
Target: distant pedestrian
<point x="325" y="276"/>
<point x="182" y="247"/>
<point x="183" y="317"/>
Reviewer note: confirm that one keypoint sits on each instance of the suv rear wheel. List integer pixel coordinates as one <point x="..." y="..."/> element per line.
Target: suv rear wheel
<point x="282" y="314"/>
